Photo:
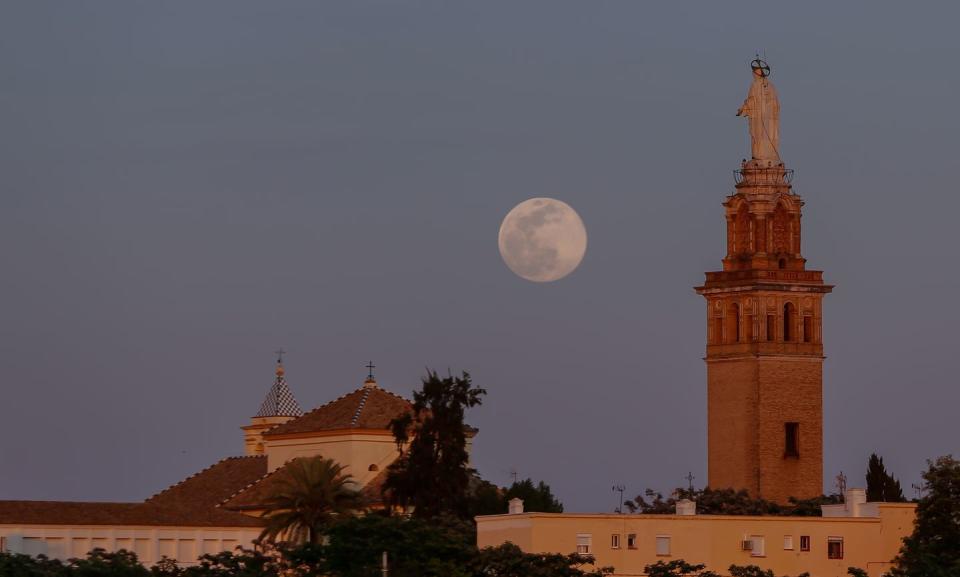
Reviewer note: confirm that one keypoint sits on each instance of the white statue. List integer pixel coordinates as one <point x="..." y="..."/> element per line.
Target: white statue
<point x="763" y="109"/>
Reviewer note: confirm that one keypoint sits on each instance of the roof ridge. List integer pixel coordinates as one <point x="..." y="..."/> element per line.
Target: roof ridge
<point x="314" y="410"/>
<point x="363" y="402"/>
<point x="269" y="474"/>
<point x="198" y="473"/>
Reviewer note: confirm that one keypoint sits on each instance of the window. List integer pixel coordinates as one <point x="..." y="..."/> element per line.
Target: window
<point x="3" y="544"/>
<point x="834" y="547"/>
<point x="584" y="543"/>
<point x="788" y="542"/>
<point x="758" y="546"/>
<point x="782" y="263"/>
<point x="788" y="319"/>
<point x="663" y="545"/>
<point x="791" y="434"/>
<point x="771" y="328"/>
<point x="734" y="331"/>
<point x="808" y="329"/>
<point x="804" y="542"/>
<point x="615" y="541"/>
<point x="632" y="541"/>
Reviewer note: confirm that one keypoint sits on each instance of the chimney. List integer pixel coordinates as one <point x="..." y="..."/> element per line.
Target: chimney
<point x="516" y="506"/>
<point x="853" y="499"/>
<point x="686" y="507"/>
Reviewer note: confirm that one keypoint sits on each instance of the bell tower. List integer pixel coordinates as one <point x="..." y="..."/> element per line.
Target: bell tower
<point x="764" y="349"/>
<point x="278" y="407"/>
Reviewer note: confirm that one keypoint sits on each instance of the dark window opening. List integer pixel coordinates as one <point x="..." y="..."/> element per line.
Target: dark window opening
<point x="782" y="263"/>
<point x="788" y="319"/>
<point x="804" y="542"/>
<point x="834" y="548"/>
<point x="808" y="329"/>
<point x="791" y="433"/>
<point x="771" y="327"/>
<point x="735" y="322"/>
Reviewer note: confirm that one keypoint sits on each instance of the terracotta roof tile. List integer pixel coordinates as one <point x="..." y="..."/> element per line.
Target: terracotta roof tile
<point x="368" y="407"/>
<point x="190" y="503"/>
<point x="252" y="497"/>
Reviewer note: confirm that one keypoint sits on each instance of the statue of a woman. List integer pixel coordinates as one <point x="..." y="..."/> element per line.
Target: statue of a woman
<point x="763" y="109"/>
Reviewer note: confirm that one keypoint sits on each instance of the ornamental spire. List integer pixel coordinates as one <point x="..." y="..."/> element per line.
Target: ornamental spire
<point x="279" y="402"/>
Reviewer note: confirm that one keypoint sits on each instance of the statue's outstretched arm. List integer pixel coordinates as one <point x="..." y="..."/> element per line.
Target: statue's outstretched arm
<point x="744" y="109"/>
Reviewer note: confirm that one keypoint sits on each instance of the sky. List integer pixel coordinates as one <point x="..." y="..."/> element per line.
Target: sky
<point x="185" y="187"/>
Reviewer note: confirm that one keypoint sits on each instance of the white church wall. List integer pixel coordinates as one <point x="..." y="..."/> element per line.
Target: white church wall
<point x="185" y="544"/>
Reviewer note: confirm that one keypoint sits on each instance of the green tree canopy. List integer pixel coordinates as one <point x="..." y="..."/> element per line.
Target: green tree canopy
<point x="933" y="550"/>
<point x="677" y="568"/>
<point x="726" y="502"/>
<point x="536" y="498"/>
<point x="432" y="475"/>
<point x="312" y="494"/>
<point x="881" y="486"/>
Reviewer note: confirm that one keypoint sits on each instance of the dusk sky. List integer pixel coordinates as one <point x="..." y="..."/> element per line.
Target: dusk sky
<point x="187" y="186"/>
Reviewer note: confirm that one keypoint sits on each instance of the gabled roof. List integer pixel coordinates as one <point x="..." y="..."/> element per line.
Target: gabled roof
<point x="252" y="497"/>
<point x="190" y="503"/>
<point x="368" y="407"/>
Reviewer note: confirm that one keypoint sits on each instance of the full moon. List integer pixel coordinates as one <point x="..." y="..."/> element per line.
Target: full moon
<point x="542" y="239"/>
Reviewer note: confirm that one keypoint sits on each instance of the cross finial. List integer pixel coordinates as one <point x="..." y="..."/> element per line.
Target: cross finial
<point x="690" y="479"/>
<point x="370" y="366"/>
<point x="280" y="354"/>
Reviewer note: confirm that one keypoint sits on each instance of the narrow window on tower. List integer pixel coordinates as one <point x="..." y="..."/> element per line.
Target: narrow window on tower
<point x="788" y="318"/>
<point x="808" y="329"/>
<point x="735" y="322"/>
<point x="771" y="327"/>
<point x="791" y="433"/>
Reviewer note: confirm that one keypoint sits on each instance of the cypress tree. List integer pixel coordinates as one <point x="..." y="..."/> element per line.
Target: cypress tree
<point x="881" y="486"/>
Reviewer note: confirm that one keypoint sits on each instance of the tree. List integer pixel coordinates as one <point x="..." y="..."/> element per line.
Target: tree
<point x="677" y="568"/>
<point x="726" y="502"/>
<point x="20" y="565"/>
<point x="881" y="486"/>
<point x="536" y="498"/>
<point x="933" y="549"/>
<point x="440" y="547"/>
<point x="100" y="563"/>
<point x="432" y="476"/>
<point x="312" y="494"/>
<point x="508" y="560"/>
<point x="754" y="571"/>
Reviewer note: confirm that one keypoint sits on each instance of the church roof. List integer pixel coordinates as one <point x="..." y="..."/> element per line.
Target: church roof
<point x="190" y="503"/>
<point x="279" y="401"/>
<point x="254" y="495"/>
<point x="368" y="407"/>
<point x="211" y="486"/>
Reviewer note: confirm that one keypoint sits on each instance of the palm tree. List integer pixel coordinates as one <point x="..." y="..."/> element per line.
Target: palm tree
<point x="311" y="493"/>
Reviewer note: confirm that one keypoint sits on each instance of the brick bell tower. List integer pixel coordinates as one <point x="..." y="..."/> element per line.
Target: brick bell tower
<point x="764" y="342"/>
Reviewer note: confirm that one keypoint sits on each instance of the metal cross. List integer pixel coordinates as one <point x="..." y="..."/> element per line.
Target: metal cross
<point x="280" y="354"/>
<point x="690" y="479"/>
<point x="370" y="366"/>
